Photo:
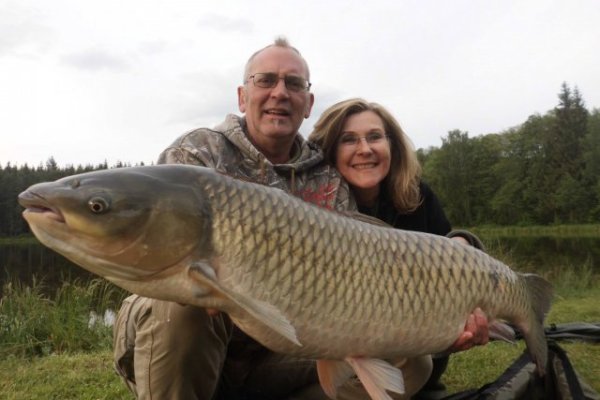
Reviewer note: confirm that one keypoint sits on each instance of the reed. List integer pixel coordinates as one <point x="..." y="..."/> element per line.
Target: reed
<point x="33" y="323"/>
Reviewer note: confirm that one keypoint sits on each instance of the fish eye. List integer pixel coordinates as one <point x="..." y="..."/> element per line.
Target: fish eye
<point x="98" y="205"/>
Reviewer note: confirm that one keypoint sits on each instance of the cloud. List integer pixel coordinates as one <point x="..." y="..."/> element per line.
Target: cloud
<point x="205" y="97"/>
<point x="152" y="47"/>
<point x="20" y="32"/>
<point x="226" y="24"/>
<point x="95" y="60"/>
<point x="325" y="96"/>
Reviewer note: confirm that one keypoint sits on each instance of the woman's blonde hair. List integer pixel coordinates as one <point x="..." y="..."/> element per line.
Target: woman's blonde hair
<point x="402" y="182"/>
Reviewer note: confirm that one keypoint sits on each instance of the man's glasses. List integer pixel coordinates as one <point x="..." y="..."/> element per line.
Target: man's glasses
<point x="350" y="140"/>
<point x="269" y="80"/>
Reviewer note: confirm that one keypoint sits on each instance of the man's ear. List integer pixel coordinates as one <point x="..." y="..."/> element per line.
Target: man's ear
<point x="241" y="92"/>
<point x="311" y="101"/>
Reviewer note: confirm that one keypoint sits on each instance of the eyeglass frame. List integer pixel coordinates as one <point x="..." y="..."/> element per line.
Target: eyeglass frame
<point x="357" y="139"/>
<point x="306" y="87"/>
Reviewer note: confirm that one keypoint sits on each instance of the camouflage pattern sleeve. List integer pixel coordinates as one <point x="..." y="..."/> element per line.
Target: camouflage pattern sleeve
<point x="177" y="155"/>
<point x="191" y="148"/>
<point x="344" y="200"/>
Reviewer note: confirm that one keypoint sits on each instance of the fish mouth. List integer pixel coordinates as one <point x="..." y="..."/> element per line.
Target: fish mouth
<point x="36" y="204"/>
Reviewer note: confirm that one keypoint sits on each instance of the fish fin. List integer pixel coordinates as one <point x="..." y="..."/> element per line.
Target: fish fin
<point x="264" y="312"/>
<point x="541" y="293"/>
<point x="332" y="374"/>
<point x="502" y="331"/>
<point x="377" y="376"/>
<point x="269" y="315"/>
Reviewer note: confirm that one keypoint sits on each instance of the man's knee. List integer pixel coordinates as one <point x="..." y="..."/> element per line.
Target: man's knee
<point x="133" y="311"/>
<point x="168" y="349"/>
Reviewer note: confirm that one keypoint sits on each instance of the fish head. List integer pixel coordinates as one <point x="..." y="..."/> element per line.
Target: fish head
<point x="122" y="224"/>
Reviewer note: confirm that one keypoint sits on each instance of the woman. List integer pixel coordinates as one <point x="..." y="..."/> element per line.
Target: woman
<point x="368" y="147"/>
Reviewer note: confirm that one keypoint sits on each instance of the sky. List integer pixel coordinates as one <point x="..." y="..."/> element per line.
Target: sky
<point x="119" y="80"/>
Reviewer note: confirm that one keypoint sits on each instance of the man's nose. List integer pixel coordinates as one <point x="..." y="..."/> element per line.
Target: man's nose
<point x="280" y="89"/>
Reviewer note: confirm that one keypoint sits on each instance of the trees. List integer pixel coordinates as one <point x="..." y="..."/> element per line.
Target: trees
<point x="545" y="171"/>
<point x="564" y="161"/>
<point x="591" y="160"/>
<point x="14" y="180"/>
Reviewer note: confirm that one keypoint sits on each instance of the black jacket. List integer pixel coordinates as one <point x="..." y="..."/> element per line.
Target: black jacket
<point x="428" y="217"/>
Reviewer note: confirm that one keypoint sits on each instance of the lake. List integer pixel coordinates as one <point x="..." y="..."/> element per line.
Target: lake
<point x="25" y="260"/>
<point x="541" y="253"/>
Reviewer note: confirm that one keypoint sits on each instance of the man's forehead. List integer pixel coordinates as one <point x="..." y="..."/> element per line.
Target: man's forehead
<point x="276" y="58"/>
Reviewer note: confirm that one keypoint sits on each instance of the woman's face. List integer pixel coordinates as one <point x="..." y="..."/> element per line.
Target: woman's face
<point x="363" y="153"/>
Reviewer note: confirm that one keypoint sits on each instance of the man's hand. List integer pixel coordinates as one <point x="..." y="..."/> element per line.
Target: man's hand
<point x="461" y="240"/>
<point x="476" y="333"/>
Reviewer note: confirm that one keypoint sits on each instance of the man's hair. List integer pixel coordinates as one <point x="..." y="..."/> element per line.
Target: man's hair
<point x="279" y="41"/>
<point x="402" y="182"/>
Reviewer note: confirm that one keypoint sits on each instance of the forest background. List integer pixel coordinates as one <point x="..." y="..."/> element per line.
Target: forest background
<point x="545" y="171"/>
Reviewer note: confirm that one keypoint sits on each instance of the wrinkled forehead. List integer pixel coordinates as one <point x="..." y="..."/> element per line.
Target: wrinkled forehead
<point x="281" y="60"/>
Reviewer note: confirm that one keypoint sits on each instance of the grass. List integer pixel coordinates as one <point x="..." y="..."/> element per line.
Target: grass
<point x="80" y="376"/>
<point x="48" y="350"/>
<point x="34" y="324"/>
<point x="23" y="239"/>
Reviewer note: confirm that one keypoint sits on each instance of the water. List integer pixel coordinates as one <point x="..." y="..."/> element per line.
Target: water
<point x="24" y="261"/>
<point x="540" y="253"/>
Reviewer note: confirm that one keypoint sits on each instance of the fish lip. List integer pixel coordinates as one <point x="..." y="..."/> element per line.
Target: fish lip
<point x="36" y="203"/>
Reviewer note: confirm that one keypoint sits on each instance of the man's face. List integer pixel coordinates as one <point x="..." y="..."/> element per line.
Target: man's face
<point x="277" y="112"/>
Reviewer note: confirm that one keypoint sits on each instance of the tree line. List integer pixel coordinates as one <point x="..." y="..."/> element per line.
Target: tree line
<point x="545" y="171"/>
<point x="13" y="180"/>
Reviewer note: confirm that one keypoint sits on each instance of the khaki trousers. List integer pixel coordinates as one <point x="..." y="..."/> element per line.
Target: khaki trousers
<point x="164" y="350"/>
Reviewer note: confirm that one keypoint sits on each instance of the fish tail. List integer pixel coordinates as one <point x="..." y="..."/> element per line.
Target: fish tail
<point x="540" y="293"/>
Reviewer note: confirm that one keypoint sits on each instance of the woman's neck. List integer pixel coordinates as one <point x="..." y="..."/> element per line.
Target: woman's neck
<point x="366" y="197"/>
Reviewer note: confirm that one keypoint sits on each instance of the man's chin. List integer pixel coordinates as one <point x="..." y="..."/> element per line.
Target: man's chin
<point x="280" y="130"/>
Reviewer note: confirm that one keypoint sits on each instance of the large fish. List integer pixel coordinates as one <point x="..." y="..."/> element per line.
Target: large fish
<point x="299" y="279"/>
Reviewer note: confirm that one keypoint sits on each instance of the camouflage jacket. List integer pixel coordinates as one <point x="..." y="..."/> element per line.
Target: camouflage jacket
<point x="227" y="149"/>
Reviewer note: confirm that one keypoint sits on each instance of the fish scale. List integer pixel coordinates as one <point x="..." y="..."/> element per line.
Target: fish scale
<point x="362" y="281"/>
<point x="299" y="279"/>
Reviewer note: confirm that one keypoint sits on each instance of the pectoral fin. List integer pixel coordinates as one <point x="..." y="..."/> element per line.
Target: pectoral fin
<point x="377" y="376"/>
<point x="499" y="330"/>
<point x="264" y="312"/>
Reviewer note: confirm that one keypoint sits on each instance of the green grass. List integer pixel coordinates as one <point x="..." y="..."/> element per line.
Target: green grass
<point x="23" y="239"/>
<point x="91" y="376"/>
<point x="34" y="324"/>
<point x="79" y="376"/>
<point x="48" y="351"/>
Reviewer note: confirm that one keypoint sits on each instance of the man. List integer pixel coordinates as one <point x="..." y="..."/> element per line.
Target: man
<point x="164" y="350"/>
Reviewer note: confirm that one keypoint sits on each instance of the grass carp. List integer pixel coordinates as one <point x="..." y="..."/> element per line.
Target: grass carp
<point x="299" y="279"/>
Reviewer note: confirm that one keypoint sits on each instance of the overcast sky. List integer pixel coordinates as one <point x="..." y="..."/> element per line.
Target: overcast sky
<point x="119" y="80"/>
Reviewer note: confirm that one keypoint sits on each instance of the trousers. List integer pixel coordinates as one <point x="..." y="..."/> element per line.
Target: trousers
<point x="164" y="350"/>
